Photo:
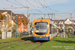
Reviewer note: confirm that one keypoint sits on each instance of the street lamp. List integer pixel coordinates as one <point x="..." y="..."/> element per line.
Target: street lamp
<point x="64" y="29"/>
<point x="7" y="21"/>
<point x="16" y="26"/>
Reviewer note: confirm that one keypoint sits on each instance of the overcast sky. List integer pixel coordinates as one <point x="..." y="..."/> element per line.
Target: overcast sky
<point x="61" y="8"/>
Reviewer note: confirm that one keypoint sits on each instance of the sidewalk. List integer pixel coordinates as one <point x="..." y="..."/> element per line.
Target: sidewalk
<point x="62" y="35"/>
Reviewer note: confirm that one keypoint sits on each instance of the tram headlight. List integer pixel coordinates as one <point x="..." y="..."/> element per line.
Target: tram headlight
<point x="46" y="35"/>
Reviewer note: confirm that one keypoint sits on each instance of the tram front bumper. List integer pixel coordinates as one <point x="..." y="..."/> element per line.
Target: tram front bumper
<point x="41" y="38"/>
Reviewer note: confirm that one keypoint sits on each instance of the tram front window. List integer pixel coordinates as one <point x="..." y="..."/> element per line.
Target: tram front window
<point x="41" y="28"/>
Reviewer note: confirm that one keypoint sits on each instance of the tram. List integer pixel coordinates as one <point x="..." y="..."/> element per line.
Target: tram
<point x="44" y="29"/>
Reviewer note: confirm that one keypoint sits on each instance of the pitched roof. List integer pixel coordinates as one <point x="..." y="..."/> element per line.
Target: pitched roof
<point x="8" y="11"/>
<point x="21" y="18"/>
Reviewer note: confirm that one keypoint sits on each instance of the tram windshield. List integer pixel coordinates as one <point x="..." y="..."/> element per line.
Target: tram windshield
<point x="41" y="27"/>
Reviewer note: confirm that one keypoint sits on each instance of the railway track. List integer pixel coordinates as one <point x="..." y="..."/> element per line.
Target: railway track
<point x="14" y="45"/>
<point x="39" y="45"/>
<point x="29" y="43"/>
<point x="33" y="43"/>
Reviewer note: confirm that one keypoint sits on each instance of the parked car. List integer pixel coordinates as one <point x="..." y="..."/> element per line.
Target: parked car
<point x="25" y="33"/>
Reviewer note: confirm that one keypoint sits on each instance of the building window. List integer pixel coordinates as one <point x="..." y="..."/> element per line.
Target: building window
<point x="22" y="26"/>
<point x="19" y="16"/>
<point x="22" y="17"/>
<point x="22" y="29"/>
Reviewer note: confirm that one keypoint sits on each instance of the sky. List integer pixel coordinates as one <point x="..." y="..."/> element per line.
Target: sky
<point x="61" y="9"/>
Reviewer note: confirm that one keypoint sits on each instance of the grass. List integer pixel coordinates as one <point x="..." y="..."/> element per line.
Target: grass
<point x="59" y="44"/>
<point x="12" y="39"/>
<point x="54" y="44"/>
<point x="71" y="35"/>
<point x="57" y="36"/>
<point x="9" y="39"/>
<point x="17" y="46"/>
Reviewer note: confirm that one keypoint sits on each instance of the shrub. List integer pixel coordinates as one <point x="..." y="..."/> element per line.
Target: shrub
<point x="9" y="30"/>
<point x="0" y="32"/>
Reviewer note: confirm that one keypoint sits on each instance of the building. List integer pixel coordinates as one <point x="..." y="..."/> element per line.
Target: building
<point x="11" y="17"/>
<point x="7" y="21"/>
<point x="21" y="18"/>
<point x="21" y="28"/>
<point x="9" y="12"/>
<point x="68" y="23"/>
<point x="22" y="22"/>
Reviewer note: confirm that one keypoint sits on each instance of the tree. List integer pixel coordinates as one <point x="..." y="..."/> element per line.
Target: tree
<point x="24" y="22"/>
<point x="2" y="16"/>
<point x="14" y="30"/>
<point x="9" y="24"/>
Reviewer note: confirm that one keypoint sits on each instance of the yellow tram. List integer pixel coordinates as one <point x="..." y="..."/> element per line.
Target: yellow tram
<point x="44" y="29"/>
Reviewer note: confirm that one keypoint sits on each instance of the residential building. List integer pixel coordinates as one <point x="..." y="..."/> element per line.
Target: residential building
<point x="21" y="18"/>
<point x="9" y="12"/>
<point x="7" y="20"/>
<point x="22" y="22"/>
<point x="68" y="23"/>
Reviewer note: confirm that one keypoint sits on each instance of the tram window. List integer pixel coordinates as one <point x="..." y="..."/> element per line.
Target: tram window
<point x="53" y="29"/>
<point x="41" y="27"/>
<point x="50" y="29"/>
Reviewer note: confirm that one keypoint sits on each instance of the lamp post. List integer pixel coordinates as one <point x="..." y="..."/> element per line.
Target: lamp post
<point x="7" y="22"/>
<point x="16" y="26"/>
<point x="28" y="22"/>
<point x="11" y="20"/>
<point x="64" y="29"/>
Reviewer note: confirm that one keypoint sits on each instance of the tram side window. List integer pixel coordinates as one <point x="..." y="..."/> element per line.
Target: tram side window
<point x="50" y="29"/>
<point x="53" y="29"/>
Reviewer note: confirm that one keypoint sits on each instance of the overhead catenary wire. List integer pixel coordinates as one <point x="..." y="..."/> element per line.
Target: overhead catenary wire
<point x="14" y="7"/>
<point x="20" y="4"/>
<point x="42" y="5"/>
<point x="49" y="7"/>
<point x="12" y="2"/>
<point x="71" y="14"/>
<point x="23" y="5"/>
<point x="33" y="6"/>
<point x="17" y="4"/>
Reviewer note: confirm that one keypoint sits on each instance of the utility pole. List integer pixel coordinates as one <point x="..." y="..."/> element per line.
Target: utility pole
<point x="48" y="16"/>
<point x="71" y="15"/>
<point x="11" y="20"/>
<point x="64" y="29"/>
<point x="16" y="26"/>
<point x="54" y="16"/>
<point x="7" y="21"/>
<point x="28" y="22"/>
<point x="51" y="16"/>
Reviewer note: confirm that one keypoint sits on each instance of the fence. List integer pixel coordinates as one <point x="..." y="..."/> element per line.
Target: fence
<point x="19" y="34"/>
<point x="70" y="34"/>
